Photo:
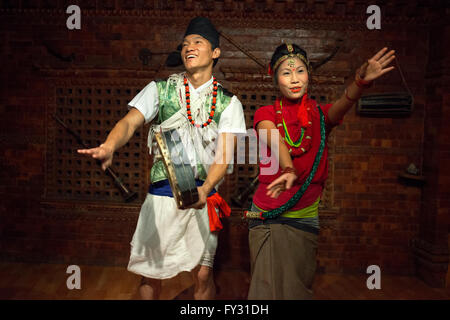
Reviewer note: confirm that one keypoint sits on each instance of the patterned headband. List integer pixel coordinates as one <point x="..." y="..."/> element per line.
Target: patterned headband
<point x="291" y="54"/>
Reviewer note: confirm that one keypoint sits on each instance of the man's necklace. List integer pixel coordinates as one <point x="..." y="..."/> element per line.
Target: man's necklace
<point x="188" y="104"/>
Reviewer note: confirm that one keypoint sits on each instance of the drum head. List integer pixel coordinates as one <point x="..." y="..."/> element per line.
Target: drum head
<point x="180" y="172"/>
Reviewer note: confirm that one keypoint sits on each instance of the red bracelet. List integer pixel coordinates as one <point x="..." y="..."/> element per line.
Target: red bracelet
<point x="361" y="83"/>
<point x="289" y="170"/>
<point x="350" y="99"/>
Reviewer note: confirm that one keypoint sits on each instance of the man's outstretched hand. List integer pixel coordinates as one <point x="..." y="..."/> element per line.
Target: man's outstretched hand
<point x="102" y="153"/>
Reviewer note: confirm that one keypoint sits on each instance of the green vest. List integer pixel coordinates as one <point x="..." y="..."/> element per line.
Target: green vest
<point x="169" y="104"/>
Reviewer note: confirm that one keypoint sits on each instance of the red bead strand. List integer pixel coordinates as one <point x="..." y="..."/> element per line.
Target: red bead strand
<point x="188" y="104"/>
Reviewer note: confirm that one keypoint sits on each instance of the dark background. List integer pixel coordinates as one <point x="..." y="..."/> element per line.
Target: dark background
<point x="59" y="207"/>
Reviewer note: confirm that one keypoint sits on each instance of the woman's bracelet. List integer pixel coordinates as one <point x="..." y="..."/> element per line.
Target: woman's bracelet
<point x="289" y="170"/>
<point x="348" y="98"/>
<point x="361" y="83"/>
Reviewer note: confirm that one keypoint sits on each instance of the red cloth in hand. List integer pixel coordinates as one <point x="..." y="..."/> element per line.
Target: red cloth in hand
<point x="217" y="202"/>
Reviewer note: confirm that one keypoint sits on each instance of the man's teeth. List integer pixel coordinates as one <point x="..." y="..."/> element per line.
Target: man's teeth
<point x="190" y="56"/>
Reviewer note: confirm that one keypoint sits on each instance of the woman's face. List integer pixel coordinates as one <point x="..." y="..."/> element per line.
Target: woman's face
<point x="292" y="78"/>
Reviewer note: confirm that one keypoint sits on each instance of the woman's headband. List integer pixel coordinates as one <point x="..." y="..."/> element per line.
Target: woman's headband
<point x="291" y="54"/>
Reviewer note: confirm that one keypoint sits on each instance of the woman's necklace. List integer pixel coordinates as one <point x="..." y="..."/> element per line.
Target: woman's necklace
<point x="303" y="144"/>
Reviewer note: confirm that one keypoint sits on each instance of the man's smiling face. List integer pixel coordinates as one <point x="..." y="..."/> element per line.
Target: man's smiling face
<point x="197" y="53"/>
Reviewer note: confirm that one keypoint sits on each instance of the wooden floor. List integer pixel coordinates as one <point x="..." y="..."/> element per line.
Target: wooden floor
<point x="48" y="281"/>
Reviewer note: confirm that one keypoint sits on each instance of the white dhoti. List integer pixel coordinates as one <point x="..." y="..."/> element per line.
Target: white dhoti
<point x="168" y="240"/>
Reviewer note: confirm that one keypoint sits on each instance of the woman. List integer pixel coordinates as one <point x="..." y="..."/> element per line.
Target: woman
<point x="283" y="235"/>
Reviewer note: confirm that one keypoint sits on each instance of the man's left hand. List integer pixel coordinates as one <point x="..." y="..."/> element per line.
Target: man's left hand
<point x="202" y="196"/>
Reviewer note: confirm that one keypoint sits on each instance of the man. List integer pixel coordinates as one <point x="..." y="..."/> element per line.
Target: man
<point x="168" y="240"/>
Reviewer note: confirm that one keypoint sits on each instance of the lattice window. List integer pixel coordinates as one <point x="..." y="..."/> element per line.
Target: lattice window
<point x="244" y="174"/>
<point x="92" y="111"/>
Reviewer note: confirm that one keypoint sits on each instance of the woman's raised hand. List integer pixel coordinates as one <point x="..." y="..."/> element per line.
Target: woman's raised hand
<point x="377" y="66"/>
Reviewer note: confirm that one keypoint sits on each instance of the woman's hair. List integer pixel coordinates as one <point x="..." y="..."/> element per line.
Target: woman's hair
<point x="282" y="52"/>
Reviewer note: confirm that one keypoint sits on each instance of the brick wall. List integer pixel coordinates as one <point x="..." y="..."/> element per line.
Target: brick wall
<point x="371" y="217"/>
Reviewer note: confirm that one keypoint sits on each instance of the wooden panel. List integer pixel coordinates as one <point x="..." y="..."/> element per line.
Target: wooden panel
<point x="91" y="110"/>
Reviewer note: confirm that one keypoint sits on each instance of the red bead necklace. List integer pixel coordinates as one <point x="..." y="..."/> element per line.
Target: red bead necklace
<point x="188" y="104"/>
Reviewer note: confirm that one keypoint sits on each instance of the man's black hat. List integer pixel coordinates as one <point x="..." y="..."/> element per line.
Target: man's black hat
<point x="201" y="26"/>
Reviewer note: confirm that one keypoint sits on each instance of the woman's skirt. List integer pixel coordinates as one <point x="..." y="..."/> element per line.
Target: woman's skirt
<point x="283" y="262"/>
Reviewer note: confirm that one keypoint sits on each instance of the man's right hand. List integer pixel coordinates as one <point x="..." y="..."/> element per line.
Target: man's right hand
<point x="102" y="153"/>
<point x="119" y="135"/>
